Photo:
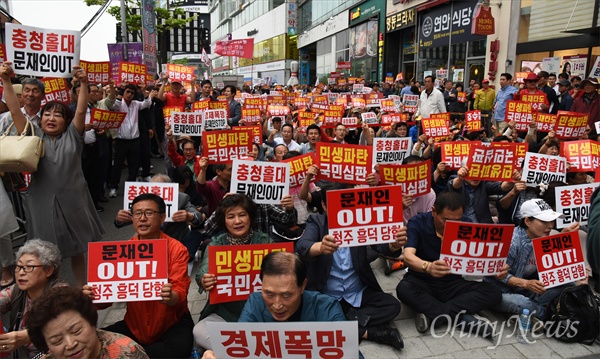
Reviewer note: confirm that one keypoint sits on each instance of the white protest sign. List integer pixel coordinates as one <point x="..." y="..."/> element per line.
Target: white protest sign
<point x="264" y="182"/>
<point x="539" y="168"/>
<point x="169" y="192"/>
<point x="186" y="123"/>
<point x="573" y="202"/>
<point x="391" y="149"/>
<point x="214" y="119"/>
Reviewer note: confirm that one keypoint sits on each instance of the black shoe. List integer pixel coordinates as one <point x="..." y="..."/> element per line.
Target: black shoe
<point x="385" y="335"/>
<point x="99" y="209"/>
<point x="480" y="327"/>
<point x="422" y="323"/>
<point x="102" y="199"/>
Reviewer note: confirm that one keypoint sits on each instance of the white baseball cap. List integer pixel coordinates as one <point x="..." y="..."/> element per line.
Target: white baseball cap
<point x="539" y="209"/>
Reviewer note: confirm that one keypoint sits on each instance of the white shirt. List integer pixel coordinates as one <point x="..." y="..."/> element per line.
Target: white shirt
<point x="432" y="103"/>
<point x="129" y="129"/>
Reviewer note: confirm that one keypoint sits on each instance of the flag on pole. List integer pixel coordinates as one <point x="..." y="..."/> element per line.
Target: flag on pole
<point x="204" y="58"/>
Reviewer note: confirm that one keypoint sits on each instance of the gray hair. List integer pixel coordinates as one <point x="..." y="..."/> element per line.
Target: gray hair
<point x="34" y="82"/>
<point x="47" y="253"/>
<point x="161" y="177"/>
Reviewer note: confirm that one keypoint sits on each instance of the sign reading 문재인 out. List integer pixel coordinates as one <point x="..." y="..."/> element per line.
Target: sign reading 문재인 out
<point x="559" y="259"/>
<point x="391" y="149"/>
<point x="186" y="123"/>
<point x="263" y="182"/>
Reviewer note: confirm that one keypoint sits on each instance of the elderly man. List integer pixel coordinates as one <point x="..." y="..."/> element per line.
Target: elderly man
<point x="432" y="100"/>
<point x="32" y="94"/>
<point x="589" y="103"/>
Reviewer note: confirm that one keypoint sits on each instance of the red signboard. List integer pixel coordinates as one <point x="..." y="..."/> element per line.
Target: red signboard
<point x="56" y="89"/>
<point x="496" y="162"/>
<point x="298" y="167"/>
<point x="454" y="153"/>
<point x="570" y="124"/>
<point x="559" y="259"/>
<point x="103" y="119"/>
<point x="473" y="120"/>
<point x="238" y="48"/>
<point x="97" y="72"/>
<point x="225" y="146"/>
<point x="343" y="162"/>
<point x="414" y="179"/>
<point x="583" y="155"/>
<point x="520" y="112"/>
<point x="483" y="21"/>
<point x="132" y="73"/>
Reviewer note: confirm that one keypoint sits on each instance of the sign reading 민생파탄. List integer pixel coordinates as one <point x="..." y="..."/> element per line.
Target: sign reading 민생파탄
<point x="559" y="259"/>
<point x="264" y="182"/>
<point x="225" y="146"/>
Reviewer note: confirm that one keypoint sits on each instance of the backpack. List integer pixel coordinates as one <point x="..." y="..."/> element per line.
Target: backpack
<point x="574" y="315"/>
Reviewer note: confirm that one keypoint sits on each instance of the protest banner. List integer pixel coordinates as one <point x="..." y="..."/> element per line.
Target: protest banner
<point x="301" y="102"/>
<point x="358" y="88"/>
<point x="187" y="123"/>
<point x="239" y="48"/>
<point x="97" y="72"/>
<point x="475" y="248"/>
<point x="169" y="192"/>
<point x="387" y="105"/>
<point x="391" y="118"/>
<point x="256" y="102"/>
<point x="473" y="120"/>
<point x="342" y="100"/>
<point x="364" y="216"/>
<point x="214" y="120"/>
<point x="582" y="155"/>
<point x="358" y="102"/>
<point x="461" y="97"/>
<point x="332" y="96"/>
<point x="263" y="182"/>
<point x="305" y="119"/>
<point x="225" y="146"/>
<point x="200" y="105"/>
<point x="390" y="149"/>
<point x="257" y="132"/>
<point x="435" y="128"/>
<point x="343" y="162"/>
<point x="278" y="100"/>
<point x="574" y="203"/>
<point x="41" y="52"/>
<point x="132" y="73"/>
<point x="559" y="259"/>
<point x="372" y="99"/>
<point x="454" y="153"/>
<point x="414" y="179"/>
<point x="322" y="99"/>
<point x="169" y="110"/>
<point x="2" y="58"/>
<point x="570" y="124"/>
<point x="370" y="118"/>
<point x="496" y="162"/>
<point x="278" y="110"/>
<point x="116" y="54"/>
<point x="251" y="116"/>
<point x="56" y="89"/>
<point x="536" y="101"/>
<point x="544" y="122"/>
<point x="127" y="271"/>
<point x="284" y="339"/>
<point x="180" y="73"/>
<point x="104" y="119"/>
<point x="539" y="168"/>
<point x="298" y="167"/>
<point x="520" y="112"/>
<point x="237" y="269"/>
<point x="319" y="107"/>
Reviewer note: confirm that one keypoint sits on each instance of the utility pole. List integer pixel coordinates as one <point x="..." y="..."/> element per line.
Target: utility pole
<point x="124" y="29"/>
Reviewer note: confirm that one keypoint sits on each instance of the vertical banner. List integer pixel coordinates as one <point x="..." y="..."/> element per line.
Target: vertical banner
<point x="169" y="192"/>
<point x="343" y="162"/>
<point x="238" y="269"/>
<point x="414" y="179"/>
<point x="559" y="259"/>
<point x="476" y="248"/>
<point x="117" y="53"/>
<point x="574" y="203"/>
<point x="364" y="216"/>
<point x="127" y="271"/>
<point x="298" y="167"/>
<point x="225" y="146"/>
<point x="539" y="168"/>
<point x="149" y="36"/>
<point x="186" y="123"/>
<point x="263" y="182"/>
<point x="391" y="149"/>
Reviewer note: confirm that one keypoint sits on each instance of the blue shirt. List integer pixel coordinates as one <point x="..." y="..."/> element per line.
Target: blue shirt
<point x="504" y="94"/>
<point x="344" y="282"/>
<point x="405" y="90"/>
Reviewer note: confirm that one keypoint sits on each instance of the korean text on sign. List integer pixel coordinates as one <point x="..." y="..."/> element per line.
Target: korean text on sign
<point x="168" y="110"/>
<point x="180" y="73"/>
<point x="545" y="122"/>
<point x="225" y="146"/>
<point x="42" y="52"/>
<point x="473" y="120"/>
<point x="264" y="182"/>
<point x="284" y="340"/>
<point x="97" y="72"/>
<point x="169" y="192"/>
<point x="132" y="73"/>
<point x="414" y="179"/>
<point x="186" y="123"/>
<point x="475" y="248"/>
<point x="278" y="110"/>
<point x="237" y="269"/>
<point x="574" y="203"/>
<point x="520" y="112"/>
<point x="391" y="150"/>
<point x="435" y="128"/>
<point x="343" y="162"/>
<point x="364" y="216"/>
<point x="257" y="132"/>
<point x="536" y="101"/>
<point x="538" y="168"/>
<point x="493" y="163"/>
<point x="215" y="119"/>
<point x="559" y="259"/>
<point x="298" y="167"/>
<point x="411" y="102"/>
<point x="570" y="124"/>
<point x="127" y="271"/>
<point x="56" y="89"/>
<point x="103" y="119"/>
<point x="583" y="155"/>
<point x="370" y="118"/>
<point x="454" y="153"/>
<point x="251" y="116"/>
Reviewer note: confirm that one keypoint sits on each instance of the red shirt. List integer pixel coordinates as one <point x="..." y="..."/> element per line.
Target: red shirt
<point x="173" y="100"/>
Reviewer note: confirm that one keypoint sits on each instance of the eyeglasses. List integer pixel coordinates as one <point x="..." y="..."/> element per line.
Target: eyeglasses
<point x="129" y="91"/>
<point x="26" y="269"/>
<point x="147" y="213"/>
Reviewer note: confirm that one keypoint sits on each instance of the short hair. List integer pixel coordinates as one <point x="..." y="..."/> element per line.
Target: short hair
<point x="339" y="124"/>
<point x="186" y="141"/>
<point x="47" y="254"/>
<point x="131" y="87"/>
<point x="291" y="154"/>
<point x="332" y="186"/>
<point x="231" y="201"/>
<point x="412" y="159"/>
<point x="284" y="263"/>
<point x="279" y="145"/>
<point x="552" y="75"/>
<point x="161" y="177"/>
<point x="61" y="108"/>
<point x="445" y="82"/>
<point x="448" y="200"/>
<point x="428" y="76"/>
<point x="276" y="118"/>
<point x="151" y="197"/>
<point x="543" y="74"/>
<point x="183" y="173"/>
<point x="204" y="82"/>
<point x="575" y="78"/>
<point x="220" y="167"/>
<point x="53" y="303"/>
<point x="502" y="138"/>
<point x="402" y="124"/>
<point x="313" y="126"/>
<point x="288" y="125"/>
<point x="563" y="75"/>
<point x="34" y="82"/>
<point x="507" y="75"/>
<point x="231" y="88"/>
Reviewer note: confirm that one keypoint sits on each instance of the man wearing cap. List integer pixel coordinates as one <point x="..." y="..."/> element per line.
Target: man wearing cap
<point x="505" y="93"/>
<point x="564" y="97"/>
<point x="589" y="103"/>
<point x="549" y="91"/>
<point x="531" y="91"/>
<point x="175" y="98"/>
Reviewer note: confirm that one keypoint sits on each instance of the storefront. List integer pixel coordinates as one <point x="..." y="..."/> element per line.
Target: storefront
<point x="401" y="44"/>
<point x="365" y="40"/>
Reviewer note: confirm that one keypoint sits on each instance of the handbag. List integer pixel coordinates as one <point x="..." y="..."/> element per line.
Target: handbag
<point x="20" y="153"/>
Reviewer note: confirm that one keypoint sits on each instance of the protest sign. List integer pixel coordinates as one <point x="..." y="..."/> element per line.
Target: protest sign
<point x="461" y="97"/>
<point x="187" y="123"/>
<point x="559" y="259"/>
<point x="520" y="112"/>
<point x="536" y="101"/>
<point x="214" y="120"/>
<point x="200" y="105"/>
<point x="570" y="124"/>
<point x="56" y="89"/>
<point x="2" y="58"/>
<point x="544" y="122"/>
<point x="539" y="168"/>
<point x="475" y="248"/>
<point x="435" y="128"/>
<point x="301" y="102"/>
<point x="237" y="269"/>
<point x="97" y="72"/>
<point x="257" y="132"/>
<point x="169" y="110"/>
<point x="263" y="182"/>
<point x="372" y="99"/>
<point x="256" y="102"/>
<point x="358" y="88"/>
<point x="284" y="339"/>
<point x="225" y="146"/>
<point x="390" y="118"/>
<point x="496" y="162"/>
<point x="343" y="162"/>
<point x="132" y="73"/>
<point x="298" y="167"/>
<point x="454" y="153"/>
<point x="322" y="99"/>
<point x="414" y="179"/>
<point x="370" y="118"/>
<point x="169" y="192"/>
<point x="387" y="105"/>
<point x="582" y="155"/>
<point x="278" y="100"/>
<point x="391" y="149"/>
<point x="251" y="116"/>
<point x="238" y="48"/>
<point x="41" y="52"/>
<point x="116" y="54"/>
<point x="278" y="110"/>
<point x="473" y="120"/>
<point x="127" y="271"/>
<point x="574" y="203"/>
<point x="180" y="73"/>
<point x="358" y="101"/>
<point x="103" y="119"/>
<point x="364" y="216"/>
<point x="305" y="119"/>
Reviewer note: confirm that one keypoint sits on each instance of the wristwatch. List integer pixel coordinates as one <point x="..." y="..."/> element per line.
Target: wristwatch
<point x="425" y="265"/>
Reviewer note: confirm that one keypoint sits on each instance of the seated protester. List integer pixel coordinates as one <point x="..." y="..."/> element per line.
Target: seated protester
<point x="213" y="190"/>
<point x="187" y="184"/>
<point x="313" y="134"/>
<point x="278" y="152"/>
<point x="428" y="287"/>
<point x="299" y="204"/>
<point x="550" y="145"/>
<point x="163" y="328"/>
<point x="475" y="194"/>
<point x="366" y="136"/>
<point x="346" y="275"/>
<point x="441" y="172"/>
<point x="257" y="152"/>
<point x="188" y="147"/>
<point x="235" y="217"/>
<point x="310" y="192"/>
<point x="398" y="129"/>
<point x="287" y="132"/>
<point x="522" y="289"/>
<point x="423" y="147"/>
<point x="63" y="322"/>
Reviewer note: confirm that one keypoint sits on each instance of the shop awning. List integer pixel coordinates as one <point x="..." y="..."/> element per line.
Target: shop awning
<point x="430" y="4"/>
<point x="585" y="31"/>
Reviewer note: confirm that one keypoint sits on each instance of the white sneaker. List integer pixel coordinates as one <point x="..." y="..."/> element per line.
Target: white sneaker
<point x="113" y="193"/>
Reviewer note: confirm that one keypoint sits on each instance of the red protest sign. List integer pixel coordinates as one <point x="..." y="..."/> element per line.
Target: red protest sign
<point x="2" y="58"/>
<point x="255" y="102"/>
<point x="343" y="162"/>
<point x="520" y="112"/>
<point x="225" y="146"/>
<point x="103" y="119"/>
<point x="411" y="102"/>
<point x="462" y="97"/>
<point x="200" y="105"/>
<point x="97" y="72"/>
<point x="364" y="216"/>
<point x="251" y="116"/>
<point x="127" y="271"/>
<point x="56" y="89"/>
<point x="559" y="259"/>
<point x="301" y="102"/>
<point x="414" y="179"/>
<point x="276" y="100"/>
<point x="169" y="110"/>
<point x="582" y="155"/>
<point x="298" y="167"/>
<point x="238" y="269"/>
<point x="435" y="128"/>
<point x="238" y="48"/>
<point x="358" y="101"/>
<point x="570" y="124"/>
<point x="536" y="100"/>
<point x="544" y="122"/>
<point x="256" y="132"/>
<point x="476" y="248"/>
<point x="306" y="119"/>
<point x="390" y="118"/>
<point x="473" y="120"/>
<point x="496" y="162"/>
<point x="278" y="110"/>
<point x="180" y="73"/>
<point x="322" y="99"/>
<point x="454" y="153"/>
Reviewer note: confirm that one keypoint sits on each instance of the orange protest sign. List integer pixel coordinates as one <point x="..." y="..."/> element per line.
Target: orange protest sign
<point x="97" y="72"/>
<point x="132" y="73"/>
<point x="168" y="111"/>
<point x="251" y="116"/>
<point x="545" y="121"/>
<point x="414" y="179"/>
<point x="278" y="110"/>
<point x="256" y="132"/>
<point x="344" y="162"/>
<point x="56" y="89"/>
<point x="582" y="155"/>
<point x="225" y="146"/>
<point x="104" y="119"/>
<point x="536" y="100"/>
<point x="387" y="105"/>
<point x="520" y="112"/>
<point x="200" y="105"/>
<point x="298" y="167"/>
<point x="570" y="124"/>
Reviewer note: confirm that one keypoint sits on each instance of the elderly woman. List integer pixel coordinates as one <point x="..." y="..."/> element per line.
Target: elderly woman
<point x="36" y="272"/>
<point x="63" y="322"/>
<point x="58" y="203"/>
<point x="235" y="215"/>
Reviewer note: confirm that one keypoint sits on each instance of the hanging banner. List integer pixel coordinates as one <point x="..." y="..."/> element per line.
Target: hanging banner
<point x="239" y="48"/>
<point x="149" y="33"/>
